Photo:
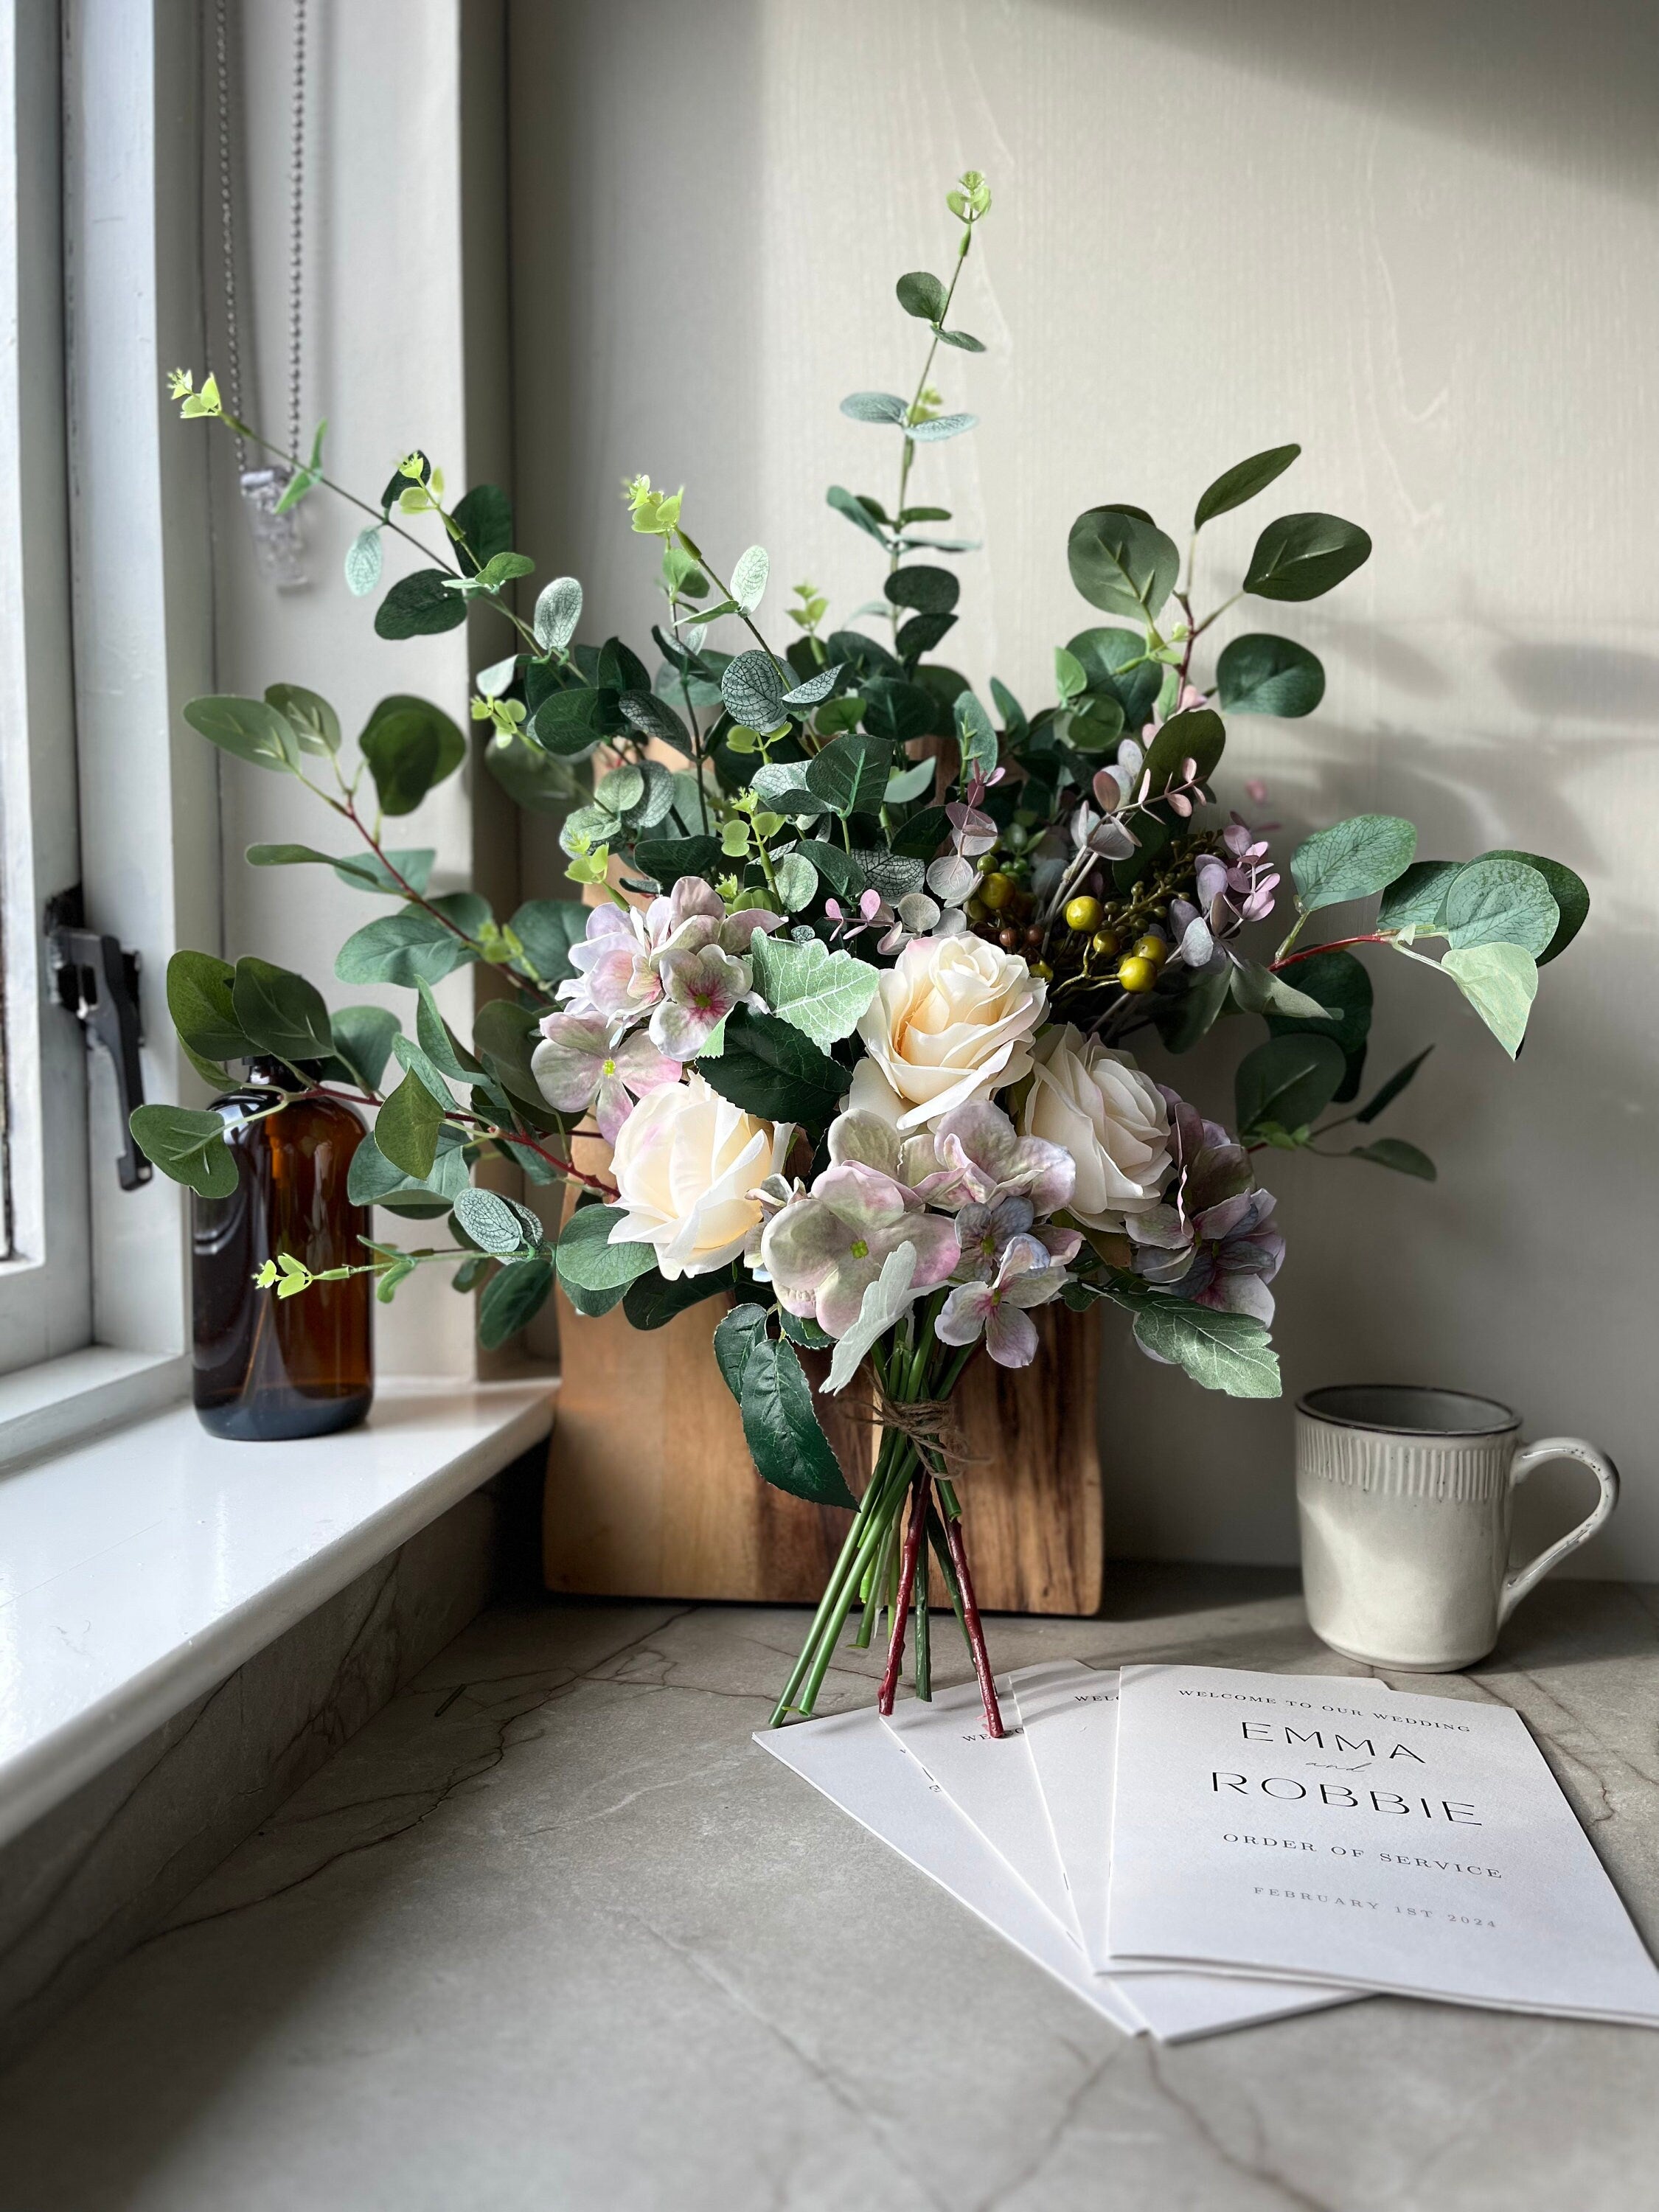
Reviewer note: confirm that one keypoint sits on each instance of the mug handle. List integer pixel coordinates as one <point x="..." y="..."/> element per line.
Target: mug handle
<point x="1528" y="1457"/>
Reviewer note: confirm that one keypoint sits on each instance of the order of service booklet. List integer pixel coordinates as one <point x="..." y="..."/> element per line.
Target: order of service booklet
<point x="993" y="1783"/>
<point x="1329" y="1827"/>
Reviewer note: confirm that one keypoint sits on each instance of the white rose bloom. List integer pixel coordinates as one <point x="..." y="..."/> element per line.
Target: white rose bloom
<point x="686" y="1163"/>
<point x="951" y="1021"/>
<point x="1109" y="1116"/>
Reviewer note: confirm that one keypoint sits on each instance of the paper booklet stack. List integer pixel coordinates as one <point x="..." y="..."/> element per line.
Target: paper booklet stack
<point x="1191" y="1848"/>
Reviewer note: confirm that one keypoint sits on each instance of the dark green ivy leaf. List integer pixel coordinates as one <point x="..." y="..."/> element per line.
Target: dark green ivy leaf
<point x="788" y="1447"/>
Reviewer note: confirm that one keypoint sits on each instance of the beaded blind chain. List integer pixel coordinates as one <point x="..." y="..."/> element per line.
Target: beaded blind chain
<point x="278" y="539"/>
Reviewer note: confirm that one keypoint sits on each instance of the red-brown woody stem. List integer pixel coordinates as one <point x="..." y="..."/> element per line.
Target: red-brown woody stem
<point x="901" y="1603"/>
<point x="987" y="1689"/>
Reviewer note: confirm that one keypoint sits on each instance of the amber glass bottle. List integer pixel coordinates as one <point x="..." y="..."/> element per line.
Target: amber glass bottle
<point x="265" y="1367"/>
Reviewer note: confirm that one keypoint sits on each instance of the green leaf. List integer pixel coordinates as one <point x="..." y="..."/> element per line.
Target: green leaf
<point x="921" y="294"/>
<point x="850" y="775"/>
<point x="934" y="431"/>
<point x="1227" y="1352"/>
<point x="406" y="1129"/>
<point x="1192" y="1015"/>
<point x="362" y="562"/>
<point x="188" y="1143"/>
<point x="1391" y="1090"/>
<point x="415" y="1061"/>
<point x="1500" y="981"/>
<point x="735" y="1337"/>
<point x="1394" y="1152"/>
<point x="1108" y="659"/>
<point x="652" y="1301"/>
<point x="789" y="1449"/>
<point x="406" y="948"/>
<point x="589" y="1261"/>
<point x="753" y="691"/>
<point x="373" y="1180"/>
<point x="1259" y="991"/>
<point x="312" y="720"/>
<point x="874" y="407"/>
<point x="1122" y="562"/>
<point x="1289" y="1081"/>
<point x="839" y="869"/>
<point x="1302" y="556"/>
<point x="1492" y="901"/>
<point x="252" y="729"/>
<point x="547" y="928"/>
<point x="470" y="1272"/>
<point x="201" y="1002"/>
<point x="485" y="519"/>
<point x="820" y="993"/>
<point x="1351" y="860"/>
<point x="965" y="339"/>
<point x="1568" y="891"/>
<point x="504" y="1036"/>
<point x="281" y="1012"/>
<point x="904" y="785"/>
<point x="1198" y="734"/>
<point x="896" y="711"/>
<point x="846" y="502"/>
<point x="362" y="1040"/>
<point x="494" y="1223"/>
<point x="420" y="606"/>
<point x="1265" y="675"/>
<point x="664" y="859"/>
<point x="558" y="610"/>
<point x="770" y="1068"/>
<point x="569" y="723"/>
<point x="976" y="737"/>
<point x="1415" y="899"/>
<point x="797" y="880"/>
<point x="505" y="568"/>
<point x="749" y="577"/>
<point x="303" y="480"/>
<point x="410" y="745"/>
<point x="1343" y="984"/>
<point x="439" y="1042"/>
<point x="927" y="591"/>
<point x="512" y="1299"/>
<point x="1242" y="482"/>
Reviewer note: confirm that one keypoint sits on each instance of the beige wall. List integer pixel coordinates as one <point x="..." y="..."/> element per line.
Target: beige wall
<point x="1420" y="238"/>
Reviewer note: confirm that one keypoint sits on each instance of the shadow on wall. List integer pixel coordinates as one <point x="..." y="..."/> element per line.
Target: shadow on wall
<point x="1571" y="85"/>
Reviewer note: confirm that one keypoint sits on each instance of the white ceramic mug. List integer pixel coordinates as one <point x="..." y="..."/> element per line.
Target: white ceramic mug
<point x="1405" y="1496"/>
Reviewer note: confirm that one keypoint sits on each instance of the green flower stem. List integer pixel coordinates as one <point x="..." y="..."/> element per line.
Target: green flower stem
<point x="692" y="716"/>
<point x="384" y="519"/>
<point x="725" y="591"/>
<point x="843" y="1577"/>
<point x="909" y="452"/>
<point x="876" y="1592"/>
<point x="825" y="1652"/>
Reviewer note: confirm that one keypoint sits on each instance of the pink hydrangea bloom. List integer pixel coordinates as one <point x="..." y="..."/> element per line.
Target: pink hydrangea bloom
<point x="579" y="1070"/>
<point x="826" y="1247"/>
<point x="699" y="991"/>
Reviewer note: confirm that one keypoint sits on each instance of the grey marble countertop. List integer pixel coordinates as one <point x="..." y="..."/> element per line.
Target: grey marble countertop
<point x="552" y="1933"/>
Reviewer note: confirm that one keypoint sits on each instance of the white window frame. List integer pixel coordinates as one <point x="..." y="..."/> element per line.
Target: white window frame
<point x="106" y="274"/>
<point x="46" y="1283"/>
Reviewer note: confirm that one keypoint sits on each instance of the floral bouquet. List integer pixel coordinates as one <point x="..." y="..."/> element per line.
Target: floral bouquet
<point x="851" y="1008"/>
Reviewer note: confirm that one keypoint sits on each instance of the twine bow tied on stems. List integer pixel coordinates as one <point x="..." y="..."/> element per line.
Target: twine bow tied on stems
<point x="921" y="1449"/>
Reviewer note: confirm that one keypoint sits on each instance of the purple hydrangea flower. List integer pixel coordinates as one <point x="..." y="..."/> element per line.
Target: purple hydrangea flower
<point x="1026" y="1275"/>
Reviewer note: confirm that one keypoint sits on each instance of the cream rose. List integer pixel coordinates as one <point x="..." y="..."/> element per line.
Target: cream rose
<point x="685" y="1163"/>
<point x="951" y="1021"/>
<point x="1109" y="1116"/>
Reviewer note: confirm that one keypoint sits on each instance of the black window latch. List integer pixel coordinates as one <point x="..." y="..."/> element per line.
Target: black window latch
<point x="98" y="982"/>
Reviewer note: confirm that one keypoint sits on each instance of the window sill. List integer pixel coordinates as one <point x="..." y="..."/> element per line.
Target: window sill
<point x="138" y="1570"/>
